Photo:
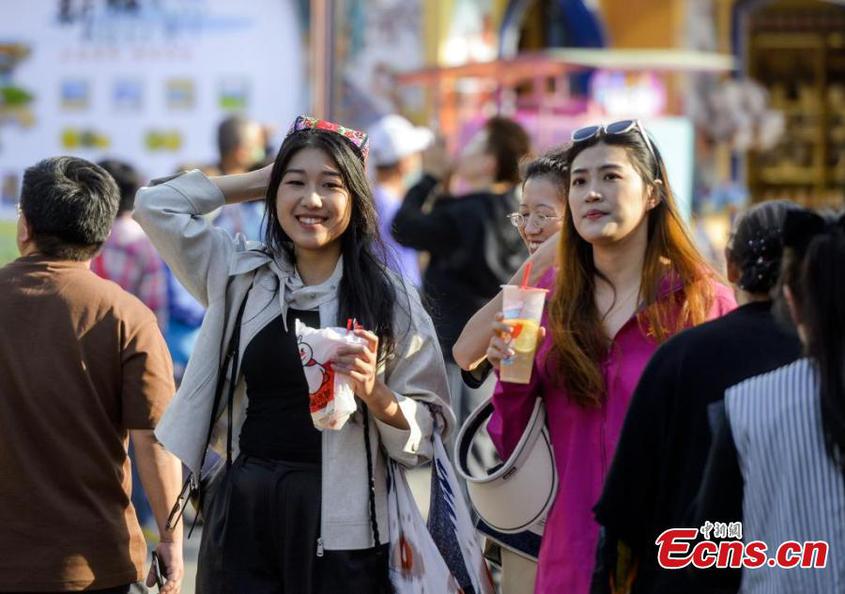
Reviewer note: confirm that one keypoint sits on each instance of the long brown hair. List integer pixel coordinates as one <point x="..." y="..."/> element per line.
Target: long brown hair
<point x="580" y="342"/>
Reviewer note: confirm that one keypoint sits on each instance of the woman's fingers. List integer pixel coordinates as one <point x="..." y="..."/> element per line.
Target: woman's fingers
<point x="498" y="350"/>
<point x="351" y="350"/>
<point x="372" y="339"/>
<point x="357" y="376"/>
<point x="501" y="329"/>
<point x="503" y="346"/>
<point x="353" y="363"/>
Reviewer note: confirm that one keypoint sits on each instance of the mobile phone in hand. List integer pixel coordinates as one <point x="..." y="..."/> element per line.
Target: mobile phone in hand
<point x="159" y="570"/>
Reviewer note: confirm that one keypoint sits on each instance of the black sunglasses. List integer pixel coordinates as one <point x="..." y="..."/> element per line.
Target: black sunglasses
<point x="616" y="129"/>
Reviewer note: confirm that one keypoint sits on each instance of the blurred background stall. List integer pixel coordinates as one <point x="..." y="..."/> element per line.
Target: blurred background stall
<point x="745" y="98"/>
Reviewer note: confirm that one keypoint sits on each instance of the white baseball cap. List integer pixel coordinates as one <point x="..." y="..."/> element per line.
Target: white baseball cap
<point x="393" y="137"/>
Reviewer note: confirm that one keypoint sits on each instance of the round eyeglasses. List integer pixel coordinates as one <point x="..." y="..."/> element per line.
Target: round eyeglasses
<point x="519" y="220"/>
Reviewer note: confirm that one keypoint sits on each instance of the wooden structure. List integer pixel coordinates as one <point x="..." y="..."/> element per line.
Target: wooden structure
<point x="797" y="50"/>
<point x="539" y="80"/>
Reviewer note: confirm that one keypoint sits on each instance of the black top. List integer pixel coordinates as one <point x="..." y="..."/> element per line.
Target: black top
<point x="474" y="249"/>
<point x="278" y="422"/>
<point x="720" y="497"/>
<point x="665" y="439"/>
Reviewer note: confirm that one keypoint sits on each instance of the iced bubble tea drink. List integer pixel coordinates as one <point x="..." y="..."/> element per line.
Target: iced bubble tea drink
<point x="523" y="310"/>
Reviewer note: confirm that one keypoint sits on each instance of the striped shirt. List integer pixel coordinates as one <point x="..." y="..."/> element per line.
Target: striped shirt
<point x="793" y="490"/>
<point x="129" y="259"/>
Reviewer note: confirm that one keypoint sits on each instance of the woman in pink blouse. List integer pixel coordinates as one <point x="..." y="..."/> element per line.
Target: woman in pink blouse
<point x="628" y="277"/>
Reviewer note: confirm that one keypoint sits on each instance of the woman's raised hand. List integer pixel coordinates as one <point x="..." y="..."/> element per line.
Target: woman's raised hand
<point x="436" y="160"/>
<point x="544" y="258"/>
<point x="243" y="187"/>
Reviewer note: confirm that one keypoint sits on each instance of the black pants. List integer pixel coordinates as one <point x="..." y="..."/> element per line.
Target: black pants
<point x="272" y="526"/>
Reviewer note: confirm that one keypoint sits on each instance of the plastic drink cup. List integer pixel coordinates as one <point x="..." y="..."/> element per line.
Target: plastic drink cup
<point x="523" y="310"/>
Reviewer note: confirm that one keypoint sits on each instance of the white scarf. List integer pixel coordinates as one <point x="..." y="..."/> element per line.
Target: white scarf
<point x="294" y="293"/>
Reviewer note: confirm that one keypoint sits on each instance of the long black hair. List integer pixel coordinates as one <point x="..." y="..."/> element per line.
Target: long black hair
<point x="366" y="290"/>
<point x="814" y="271"/>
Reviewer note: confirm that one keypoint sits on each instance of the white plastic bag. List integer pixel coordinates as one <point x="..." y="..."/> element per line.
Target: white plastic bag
<point x="331" y="398"/>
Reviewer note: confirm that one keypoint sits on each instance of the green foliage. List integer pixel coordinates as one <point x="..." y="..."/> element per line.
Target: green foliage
<point x="8" y="248"/>
<point x="14" y="96"/>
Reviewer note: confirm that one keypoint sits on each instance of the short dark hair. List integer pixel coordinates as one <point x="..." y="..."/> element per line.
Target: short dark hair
<point x="551" y="165"/>
<point x="70" y="204"/>
<point x="128" y="181"/>
<point x="230" y="133"/>
<point x="508" y="142"/>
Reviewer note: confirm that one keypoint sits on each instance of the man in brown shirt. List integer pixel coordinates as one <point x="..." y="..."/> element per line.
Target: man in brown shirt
<point x="83" y="366"/>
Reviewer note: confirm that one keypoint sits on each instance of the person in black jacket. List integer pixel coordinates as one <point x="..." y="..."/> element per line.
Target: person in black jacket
<point x="663" y="448"/>
<point x="472" y="245"/>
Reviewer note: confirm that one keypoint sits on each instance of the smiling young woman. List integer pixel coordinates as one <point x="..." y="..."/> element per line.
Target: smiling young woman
<point x="312" y="203"/>
<point x="302" y="510"/>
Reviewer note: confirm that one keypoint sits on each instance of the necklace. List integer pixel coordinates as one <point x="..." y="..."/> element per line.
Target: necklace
<point x="619" y="303"/>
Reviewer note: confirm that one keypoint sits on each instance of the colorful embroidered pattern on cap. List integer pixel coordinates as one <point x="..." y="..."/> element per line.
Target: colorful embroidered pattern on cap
<point x="356" y="137"/>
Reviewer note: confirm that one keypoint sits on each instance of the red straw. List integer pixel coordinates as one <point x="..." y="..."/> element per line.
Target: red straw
<point x="525" y="275"/>
<point x="348" y="324"/>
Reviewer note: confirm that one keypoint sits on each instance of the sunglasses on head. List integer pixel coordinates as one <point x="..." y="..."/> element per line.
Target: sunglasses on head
<point x="615" y="129"/>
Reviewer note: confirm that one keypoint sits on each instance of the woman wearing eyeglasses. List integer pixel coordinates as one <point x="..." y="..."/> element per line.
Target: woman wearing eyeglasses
<point x="628" y="277"/>
<point x="541" y="209"/>
<point x="538" y="219"/>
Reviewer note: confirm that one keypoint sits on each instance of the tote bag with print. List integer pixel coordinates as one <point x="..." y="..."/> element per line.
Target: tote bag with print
<point x="443" y="556"/>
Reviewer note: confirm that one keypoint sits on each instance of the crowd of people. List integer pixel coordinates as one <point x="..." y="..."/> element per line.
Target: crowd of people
<point x="674" y="396"/>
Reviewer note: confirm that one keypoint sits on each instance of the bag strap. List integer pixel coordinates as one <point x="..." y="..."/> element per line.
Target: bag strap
<point x="232" y="355"/>
<point x="371" y="478"/>
<point x="385" y="587"/>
